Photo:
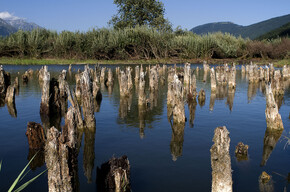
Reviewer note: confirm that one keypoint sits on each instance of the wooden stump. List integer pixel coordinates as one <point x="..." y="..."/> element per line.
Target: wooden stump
<point x="187" y="73"/>
<point x="114" y="175"/>
<point x="212" y="80"/>
<point x="273" y="118"/>
<point x="10" y="95"/>
<point x="241" y="151"/>
<point x="87" y="99"/>
<point x="221" y="161"/>
<point x="35" y="135"/>
<point x="44" y="105"/>
<point x="60" y="156"/>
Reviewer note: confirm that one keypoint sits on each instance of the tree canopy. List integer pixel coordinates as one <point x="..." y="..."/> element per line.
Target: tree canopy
<point x="140" y="12"/>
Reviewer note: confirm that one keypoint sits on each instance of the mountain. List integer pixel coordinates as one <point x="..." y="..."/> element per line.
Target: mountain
<point x="251" y="31"/>
<point x="10" y="24"/>
<point x="283" y="31"/>
<point x="21" y="24"/>
<point x="5" y="28"/>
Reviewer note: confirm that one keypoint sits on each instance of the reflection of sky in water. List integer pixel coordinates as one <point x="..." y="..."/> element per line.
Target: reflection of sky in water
<point x="152" y="167"/>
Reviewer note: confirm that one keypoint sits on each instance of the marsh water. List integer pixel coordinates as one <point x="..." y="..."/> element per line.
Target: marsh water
<point x="161" y="158"/>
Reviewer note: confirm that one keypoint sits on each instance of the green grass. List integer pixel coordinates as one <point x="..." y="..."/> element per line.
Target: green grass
<point x="281" y="63"/>
<point x="21" y="176"/>
<point x="18" y="61"/>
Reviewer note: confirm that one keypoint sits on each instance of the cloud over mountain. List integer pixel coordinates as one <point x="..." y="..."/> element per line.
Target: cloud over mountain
<point x="8" y="16"/>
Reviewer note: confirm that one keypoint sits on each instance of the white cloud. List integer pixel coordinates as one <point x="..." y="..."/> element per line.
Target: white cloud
<point x="6" y="15"/>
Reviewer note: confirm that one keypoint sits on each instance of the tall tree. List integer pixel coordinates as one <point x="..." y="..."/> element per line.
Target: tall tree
<point x="140" y="12"/>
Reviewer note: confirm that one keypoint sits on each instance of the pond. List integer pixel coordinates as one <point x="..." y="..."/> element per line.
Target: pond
<point x="161" y="159"/>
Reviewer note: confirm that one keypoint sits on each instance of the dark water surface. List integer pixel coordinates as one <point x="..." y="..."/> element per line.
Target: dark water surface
<point x="161" y="160"/>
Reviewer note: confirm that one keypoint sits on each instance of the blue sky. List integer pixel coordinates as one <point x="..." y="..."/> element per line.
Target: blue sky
<point x="84" y="15"/>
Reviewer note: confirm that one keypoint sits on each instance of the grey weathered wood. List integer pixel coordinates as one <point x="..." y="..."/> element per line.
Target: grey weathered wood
<point x="60" y="156"/>
<point x="221" y="161"/>
<point x="44" y="105"/>
<point x="87" y="99"/>
<point x="273" y="118"/>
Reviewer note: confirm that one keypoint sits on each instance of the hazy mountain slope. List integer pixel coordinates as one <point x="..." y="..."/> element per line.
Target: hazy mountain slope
<point x="251" y="31"/>
<point x="283" y="31"/>
<point x="5" y="28"/>
<point x="21" y="24"/>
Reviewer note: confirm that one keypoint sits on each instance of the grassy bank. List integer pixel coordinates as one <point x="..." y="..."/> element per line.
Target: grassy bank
<point x="16" y="61"/>
<point x="140" y="43"/>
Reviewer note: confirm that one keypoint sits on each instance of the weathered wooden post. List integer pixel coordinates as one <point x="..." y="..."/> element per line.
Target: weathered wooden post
<point x="212" y="80"/>
<point x="221" y="161"/>
<point x="187" y="74"/>
<point x="141" y="93"/>
<point x="114" y="175"/>
<point x="44" y="105"/>
<point x="78" y="90"/>
<point x="192" y="85"/>
<point x="241" y="151"/>
<point x="129" y="78"/>
<point x="232" y="79"/>
<point x="36" y="141"/>
<point x="273" y="118"/>
<point x="110" y="81"/>
<point x="10" y="95"/>
<point x="35" y="135"/>
<point x="137" y="74"/>
<point x="60" y="156"/>
<point x="73" y="100"/>
<point x="103" y="74"/>
<point x="153" y="79"/>
<point x="178" y="110"/>
<point x="4" y="81"/>
<point x="266" y="183"/>
<point x="261" y="74"/>
<point x="277" y="84"/>
<point x="267" y="74"/>
<point x="286" y="72"/>
<point x="25" y="77"/>
<point x="61" y="84"/>
<point x="87" y="99"/>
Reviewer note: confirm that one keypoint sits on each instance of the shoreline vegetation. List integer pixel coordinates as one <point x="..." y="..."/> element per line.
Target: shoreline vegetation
<point x="138" y="45"/>
<point x="19" y="61"/>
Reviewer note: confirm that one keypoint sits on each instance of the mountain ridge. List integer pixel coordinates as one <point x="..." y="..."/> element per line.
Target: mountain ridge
<point x="9" y="25"/>
<point x="251" y="31"/>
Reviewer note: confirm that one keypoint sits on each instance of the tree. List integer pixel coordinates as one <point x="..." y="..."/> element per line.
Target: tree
<point x="140" y="12"/>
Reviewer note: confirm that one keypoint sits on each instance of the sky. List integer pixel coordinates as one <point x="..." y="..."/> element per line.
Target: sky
<point x="77" y="15"/>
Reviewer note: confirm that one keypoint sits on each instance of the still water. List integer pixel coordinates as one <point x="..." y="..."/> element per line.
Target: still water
<point x="161" y="159"/>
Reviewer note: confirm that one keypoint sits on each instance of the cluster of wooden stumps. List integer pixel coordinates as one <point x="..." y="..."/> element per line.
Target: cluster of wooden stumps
<point x="61" y="147"/>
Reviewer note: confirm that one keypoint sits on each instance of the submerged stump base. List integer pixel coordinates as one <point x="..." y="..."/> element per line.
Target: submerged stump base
<point x="114" y="175"/>
<point x="241" y="151"/>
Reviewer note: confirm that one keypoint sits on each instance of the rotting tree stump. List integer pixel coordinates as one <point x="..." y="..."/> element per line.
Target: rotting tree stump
<point x="221" y="161"/>
<point x="35" y="135"/>
<point x="114" y="175"/>
<point x="241" y="151"/>
<point x="273" y="118"/>
<point x="61" y="156"/>
<point x="45" y="97"/>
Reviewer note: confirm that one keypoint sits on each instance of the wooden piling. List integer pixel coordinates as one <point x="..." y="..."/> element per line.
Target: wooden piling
<point x="221" y="161"/>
